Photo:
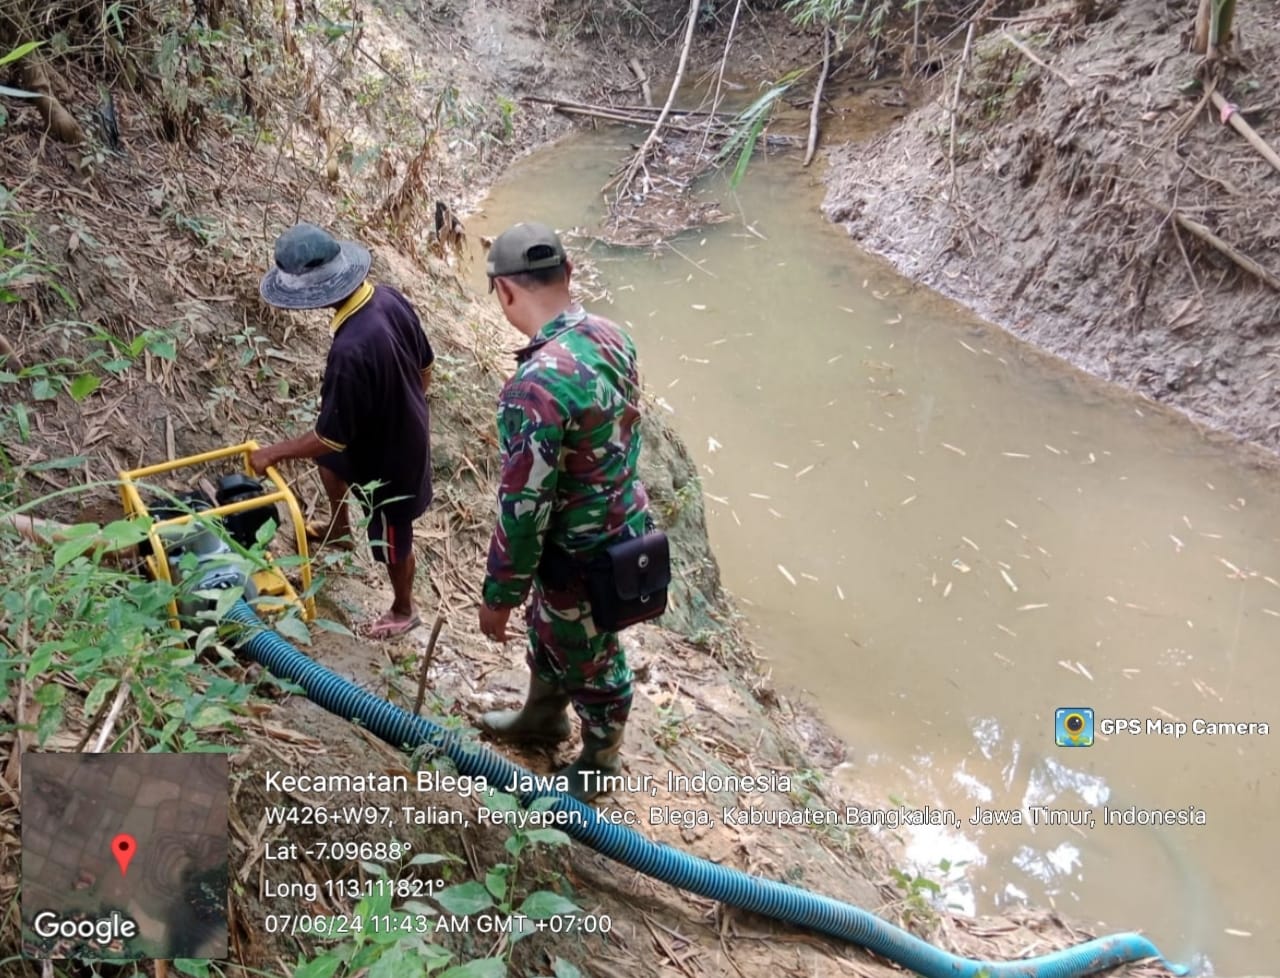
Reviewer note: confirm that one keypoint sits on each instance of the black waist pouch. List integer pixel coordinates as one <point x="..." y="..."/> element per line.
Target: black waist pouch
<point x="628" y="582"/>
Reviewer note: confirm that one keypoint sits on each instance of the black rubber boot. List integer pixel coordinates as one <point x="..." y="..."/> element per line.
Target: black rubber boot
<point x="598" y="757"/>
<point x="542" y="719"/>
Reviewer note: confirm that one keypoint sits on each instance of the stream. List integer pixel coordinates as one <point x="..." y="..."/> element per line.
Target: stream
<point x="941" y="536"/>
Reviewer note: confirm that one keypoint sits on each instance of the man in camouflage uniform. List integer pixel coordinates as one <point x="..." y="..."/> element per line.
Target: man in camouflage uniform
<point x="568" y="425"/>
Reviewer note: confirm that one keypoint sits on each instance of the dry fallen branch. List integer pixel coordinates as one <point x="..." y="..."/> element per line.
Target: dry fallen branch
<point x="1037" y="60"/>
<point x="642" y="153"/>
<point x="955" y="107"/>
<point x="641" y="77"/>
<point x="817" y="97"/>
<point x="426" y="663"/>
<point x="1208" y="237"/>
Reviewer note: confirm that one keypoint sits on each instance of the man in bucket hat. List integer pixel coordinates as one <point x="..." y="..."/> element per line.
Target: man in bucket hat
<point x="569" y="429"/>
<point x="373" y="432"/>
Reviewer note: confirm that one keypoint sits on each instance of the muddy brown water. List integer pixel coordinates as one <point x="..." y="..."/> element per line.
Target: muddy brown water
<point x="941" y="536"/>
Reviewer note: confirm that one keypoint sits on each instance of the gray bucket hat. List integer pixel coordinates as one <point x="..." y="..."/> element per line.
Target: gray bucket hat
<point x="314" y="269"/>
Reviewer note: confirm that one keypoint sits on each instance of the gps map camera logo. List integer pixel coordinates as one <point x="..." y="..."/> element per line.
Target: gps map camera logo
<point x="1073" y="726"/>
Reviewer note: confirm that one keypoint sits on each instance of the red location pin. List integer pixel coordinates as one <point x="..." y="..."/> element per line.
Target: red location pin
<point x="123" y="846"/>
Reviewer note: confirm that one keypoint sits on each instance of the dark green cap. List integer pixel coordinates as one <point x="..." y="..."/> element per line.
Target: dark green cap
<point x="525" y="247"/>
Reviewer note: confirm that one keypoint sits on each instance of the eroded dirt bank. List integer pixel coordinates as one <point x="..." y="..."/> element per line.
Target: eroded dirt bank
<point x="1049" y="206"/>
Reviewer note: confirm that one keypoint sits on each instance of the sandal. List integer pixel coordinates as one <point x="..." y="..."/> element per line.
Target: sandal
<point x="388" y="627"/>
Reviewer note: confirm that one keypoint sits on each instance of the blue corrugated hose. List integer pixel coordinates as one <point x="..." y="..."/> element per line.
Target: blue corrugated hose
<point x="403" y="730"/>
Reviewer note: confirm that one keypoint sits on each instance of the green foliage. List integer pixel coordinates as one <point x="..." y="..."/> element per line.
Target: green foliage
<point x="21" y="51"/>
<point x="749" y="126"/>
<point x="400" y="943"/>
<point x="75" y="631"/>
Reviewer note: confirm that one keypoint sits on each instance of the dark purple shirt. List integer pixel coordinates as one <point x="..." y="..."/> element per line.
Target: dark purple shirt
<point x="372" y="407"/>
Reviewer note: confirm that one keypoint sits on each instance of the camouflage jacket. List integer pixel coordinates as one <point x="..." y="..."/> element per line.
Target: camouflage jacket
<point x="568" y="426"/>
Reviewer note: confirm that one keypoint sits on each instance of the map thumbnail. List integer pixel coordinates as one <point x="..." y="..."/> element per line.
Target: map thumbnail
<point x="124" y="856"/>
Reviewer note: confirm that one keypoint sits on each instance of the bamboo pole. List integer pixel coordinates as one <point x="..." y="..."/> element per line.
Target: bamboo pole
<point x="638" y="110"/>
<point x="1244" y="129"/>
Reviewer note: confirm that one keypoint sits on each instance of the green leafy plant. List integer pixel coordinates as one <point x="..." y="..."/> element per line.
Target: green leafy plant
<point x="78" y="632"/>
<point x="748" y="127"/>
<point x="503" y="883"/>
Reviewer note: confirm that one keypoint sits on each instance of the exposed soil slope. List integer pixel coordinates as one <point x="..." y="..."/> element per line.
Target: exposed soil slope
<point x="1048" y="209"/>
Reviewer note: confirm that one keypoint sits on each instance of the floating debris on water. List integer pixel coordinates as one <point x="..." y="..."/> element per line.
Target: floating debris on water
<point x="1005" y="659"/>
<point x="1236" y="572"/>
<point x="855" y="444"/>
<point x="1052" y="449"/>
<point x="673" y="383"/>
<point x="1008" y="580"/>
<point x="722" y="500"/>
<point x="782" y="465"/>
<point x="946" y="590"/>
<point x="1188" y="522"/>
<point x="838" y="356"/>
<point x="1014" y="455"/>
<point x="952" y="448"/>
<point x="1031" y="607"/>
<point x="1069" y="666"/>
<point x="1092" y="458"/>
<point x="1131" y="671"/>
<point x="734" y="514"/>
<point x="1238" y="933"/>
<point x="1204" y="689"/>
<point x="805" y="471"/>
<point x="894" y="321"/>
<point x="1211" y="536"/>
<point x="839" y="592"/>
<point x="1008" y="631"/>
<point x="773" y="512"/>
<point x="967" y="346"/>
<point x="908" y="501"/>
<point x="1011" y="523"/>
<point x="809" y="577"/>
<point x="758" y="495"/>
<point x="1166" y="714"/>
<point x="970" y="543"/>
<point x="1177" y="543"/>
<point x="1084" y="672"/>
<point x="713" y="445"/>
<point x="787" y="574"/>
<point x="699" y="307"/>
<point x="1273" y="614"/>
<point x="961" y="566"/>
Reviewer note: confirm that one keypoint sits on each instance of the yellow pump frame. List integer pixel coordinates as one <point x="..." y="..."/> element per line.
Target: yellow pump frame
<point x="270" y="581"/>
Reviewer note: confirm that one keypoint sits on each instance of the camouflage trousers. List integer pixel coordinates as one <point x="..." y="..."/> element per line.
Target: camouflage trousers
<point x="588" y="666"/>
